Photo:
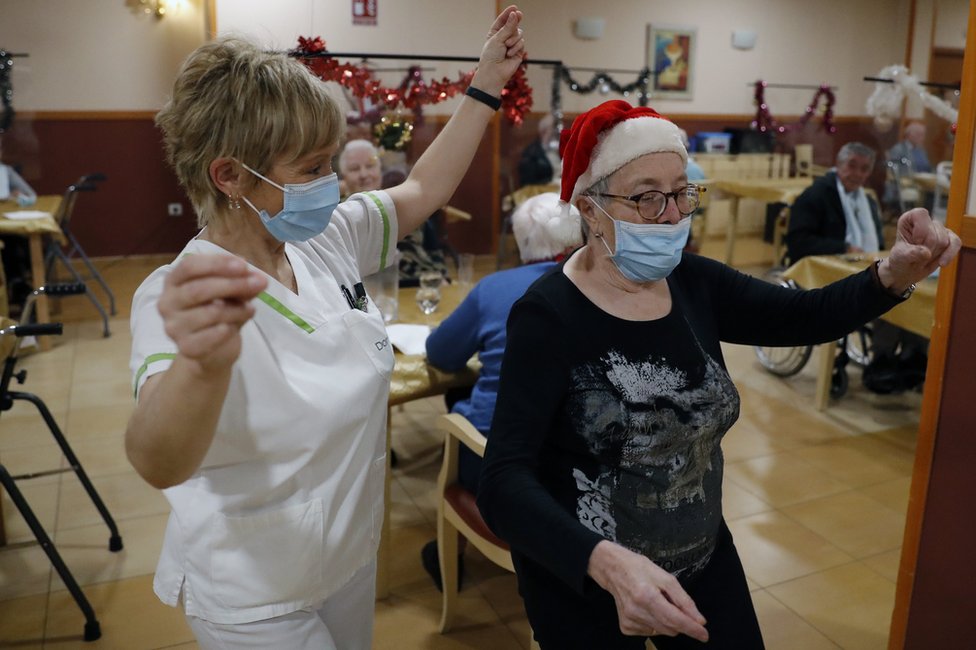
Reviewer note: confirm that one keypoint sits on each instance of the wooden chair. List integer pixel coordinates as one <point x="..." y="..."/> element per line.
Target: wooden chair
<point x="457" y="513"/>
<point x="509" y="203"/>
<point x="803" y="155"/>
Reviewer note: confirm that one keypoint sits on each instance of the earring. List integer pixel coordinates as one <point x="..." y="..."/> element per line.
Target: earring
<point x="234" y="202"/>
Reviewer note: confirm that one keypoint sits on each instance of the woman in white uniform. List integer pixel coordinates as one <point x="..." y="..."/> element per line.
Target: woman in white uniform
<point x="261" y="368"/>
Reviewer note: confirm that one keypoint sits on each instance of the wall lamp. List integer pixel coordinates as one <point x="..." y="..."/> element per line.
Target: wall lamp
<point x="155" y="8"/>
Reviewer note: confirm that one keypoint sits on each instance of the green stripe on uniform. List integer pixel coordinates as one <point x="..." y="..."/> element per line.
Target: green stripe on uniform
<point x="152" y="358"/>
<point x="272" y="302"/>
<point x="386" y="228"/>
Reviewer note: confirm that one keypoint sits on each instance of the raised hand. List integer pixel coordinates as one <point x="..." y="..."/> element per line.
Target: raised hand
<point x="205" y="301"/>
<point x="502" y="53"/>
<point x="650" y="601"/>
<point x="922" y="245"/>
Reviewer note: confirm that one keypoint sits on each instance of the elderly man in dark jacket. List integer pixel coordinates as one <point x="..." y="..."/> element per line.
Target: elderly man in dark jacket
<point x="835" y="215"/>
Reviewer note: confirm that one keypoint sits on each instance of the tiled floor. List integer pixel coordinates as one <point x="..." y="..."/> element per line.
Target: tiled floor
<point x="816" y="502"/>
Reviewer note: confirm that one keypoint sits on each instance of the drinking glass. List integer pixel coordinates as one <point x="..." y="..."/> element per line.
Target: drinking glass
<point x="466" y="270"/>
<point x="427" y="299"/>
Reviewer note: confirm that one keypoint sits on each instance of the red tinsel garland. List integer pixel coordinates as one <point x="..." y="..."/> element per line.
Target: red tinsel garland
<point x="765" y="122"/>
<point x="413" y="92"/>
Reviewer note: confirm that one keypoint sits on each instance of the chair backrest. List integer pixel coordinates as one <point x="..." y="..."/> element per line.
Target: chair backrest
<point x="803" y="157"/>
<point x="86" y="183"/>
<point x="456" y="509"/>
<point x="452" y="495"/>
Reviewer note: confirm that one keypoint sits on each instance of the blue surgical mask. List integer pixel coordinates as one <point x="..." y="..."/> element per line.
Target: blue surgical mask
<point x="307" y="209"/>
<point x="647" y="252"/>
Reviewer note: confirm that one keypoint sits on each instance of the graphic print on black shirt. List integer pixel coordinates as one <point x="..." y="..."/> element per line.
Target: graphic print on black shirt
<point x="654" y="422"/>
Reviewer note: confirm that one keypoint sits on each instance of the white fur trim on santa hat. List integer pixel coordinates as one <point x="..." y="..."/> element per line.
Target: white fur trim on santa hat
<point x="627" y="141"/>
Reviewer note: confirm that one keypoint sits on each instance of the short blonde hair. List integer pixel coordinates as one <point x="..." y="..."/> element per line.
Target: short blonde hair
<point x="233" y="99"/>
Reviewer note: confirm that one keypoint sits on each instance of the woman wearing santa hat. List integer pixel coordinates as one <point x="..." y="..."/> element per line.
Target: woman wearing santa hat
<point x="604" y="467"/>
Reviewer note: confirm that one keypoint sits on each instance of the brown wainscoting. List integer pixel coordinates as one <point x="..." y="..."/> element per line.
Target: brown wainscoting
<point x="474" y="195"/>
<point x="127" y="214"/>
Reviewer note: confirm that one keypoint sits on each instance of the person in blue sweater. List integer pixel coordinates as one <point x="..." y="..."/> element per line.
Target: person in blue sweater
<point x="544" y="236"/>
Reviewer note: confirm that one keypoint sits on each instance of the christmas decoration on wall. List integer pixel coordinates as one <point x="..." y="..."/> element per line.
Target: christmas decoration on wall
<point x="413" y="92"/>
<point x="892" y="85"/>
<point x="394" y="131"/>
<point x="6" y="91"/>
<point x="601" y="81"/>
<point x="604" y="83"/>
<point x="765" y="122"/>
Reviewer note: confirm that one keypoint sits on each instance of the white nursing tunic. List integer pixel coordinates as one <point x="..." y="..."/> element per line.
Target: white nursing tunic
<point x="288" y="503"/>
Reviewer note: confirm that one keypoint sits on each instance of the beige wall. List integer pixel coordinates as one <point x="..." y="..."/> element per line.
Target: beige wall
<point x="834" y="41"/>
<point x="439" y="27"/>
<point x="950" y="26"/>
<point x="103" y="55"/>
<point x="97" y="54"/>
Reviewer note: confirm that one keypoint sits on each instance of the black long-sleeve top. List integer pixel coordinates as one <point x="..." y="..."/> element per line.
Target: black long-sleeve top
<point x="610" y="429"/>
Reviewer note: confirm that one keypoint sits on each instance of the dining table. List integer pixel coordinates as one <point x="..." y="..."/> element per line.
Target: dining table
<point x="35" y="230"/>
<point x="767" y="190"/>
<point x="917" y="314"/>
<point x="412" y="379"/>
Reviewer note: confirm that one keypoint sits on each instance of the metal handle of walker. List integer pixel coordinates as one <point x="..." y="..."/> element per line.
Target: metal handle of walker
<point x="64" y="289"/>
<point x="33" y="329"/>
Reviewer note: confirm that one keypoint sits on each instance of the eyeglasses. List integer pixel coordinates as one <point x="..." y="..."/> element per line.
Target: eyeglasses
<point x="652" y="203"/>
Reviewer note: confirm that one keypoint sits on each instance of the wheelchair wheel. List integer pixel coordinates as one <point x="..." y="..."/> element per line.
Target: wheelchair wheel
<point x="782" y="361"/>
<point x="859" y="346"/>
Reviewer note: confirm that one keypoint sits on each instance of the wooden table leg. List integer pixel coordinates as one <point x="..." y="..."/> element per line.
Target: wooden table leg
<point x="37" y="274"/>
<point x="730" y="233"/>
<point x="383" y="554"/>
<point x="825" y="369"/>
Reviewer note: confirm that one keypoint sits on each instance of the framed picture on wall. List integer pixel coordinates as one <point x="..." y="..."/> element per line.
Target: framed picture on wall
<point x="671" y="59"/>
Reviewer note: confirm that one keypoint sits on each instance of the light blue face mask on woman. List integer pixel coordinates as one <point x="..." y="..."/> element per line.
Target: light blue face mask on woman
<point x="647" y="252"/>
<point x="307" y="210"/>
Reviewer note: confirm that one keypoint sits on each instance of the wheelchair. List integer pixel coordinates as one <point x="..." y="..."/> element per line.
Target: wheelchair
<point x="788" y="361"/>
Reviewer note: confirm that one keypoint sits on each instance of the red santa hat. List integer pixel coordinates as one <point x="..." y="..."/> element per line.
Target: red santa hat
<point x="607" y="137"/>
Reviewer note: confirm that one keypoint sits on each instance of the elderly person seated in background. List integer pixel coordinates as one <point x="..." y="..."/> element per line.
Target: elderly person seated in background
<point x="261" y="371"/>
<point x="359" y="167"/>
<point x="905" y="159"/>
<point x="539" y="162"/>
<point x="16" y="252"/>
<point x="420" y="251"/>
<point x="910" y="153"/>
<point x="835" y="215"/>
<point x="604" y="466"/>
<point x="12" y="186"/>
<point x="544" y="235"/>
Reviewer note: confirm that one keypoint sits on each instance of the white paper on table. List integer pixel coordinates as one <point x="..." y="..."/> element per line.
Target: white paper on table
<point x="407" y="338"/>
<point x="23" y="215"/>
